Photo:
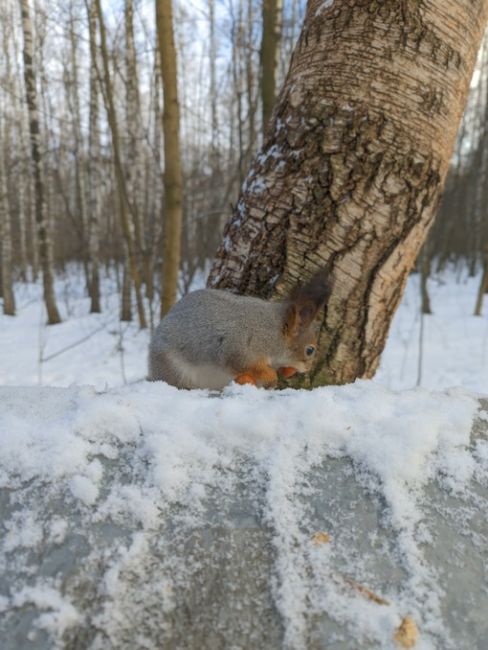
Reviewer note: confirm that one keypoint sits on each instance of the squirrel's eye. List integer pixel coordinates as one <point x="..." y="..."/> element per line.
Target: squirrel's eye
<point x="309" y="350"/>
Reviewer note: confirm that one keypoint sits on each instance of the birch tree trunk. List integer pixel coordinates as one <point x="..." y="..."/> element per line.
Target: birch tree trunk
<point x="43" y="231"/>
<point x="73" y="101"/>
<point x="483" y="286"/>
<point x="94" y="176"/>
<point x="5" y="233"/>
<point x="238" y="80"/>
<point x="134" y="136"/>
<point x="172" y="163"/>
<point x="154" y="189"/>
<point x="127" y="226"/>
<point x="20" y="136"/>
<point x="23" y="181"/>
<point x="269" y="55"/>
<point x="351" y="171"/>
<point x="481" y="198"/>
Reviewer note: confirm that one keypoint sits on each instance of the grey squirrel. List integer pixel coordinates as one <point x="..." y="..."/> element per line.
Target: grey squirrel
<point x="212" y="337"/>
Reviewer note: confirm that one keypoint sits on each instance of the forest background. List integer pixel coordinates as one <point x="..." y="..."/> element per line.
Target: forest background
<point x="105" y="215"/>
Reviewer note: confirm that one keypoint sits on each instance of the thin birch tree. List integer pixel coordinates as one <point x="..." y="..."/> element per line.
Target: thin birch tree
<point x="5" y="228"/>
<point x="172" y="160"/>
<point x="124" y="207"/>
<point x="272" y="10"/>
<point x="94" y="172"/>
<point x="42" y="221"/>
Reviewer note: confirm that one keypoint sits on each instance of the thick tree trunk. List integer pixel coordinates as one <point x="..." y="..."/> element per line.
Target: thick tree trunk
<point x="350" y="174"/>
<point x="42" y="222"/>
<point x="269" y="55"/>
<point x="172" y="164"/>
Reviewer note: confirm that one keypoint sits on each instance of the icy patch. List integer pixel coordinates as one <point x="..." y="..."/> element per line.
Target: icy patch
<point x="174" y="448"/>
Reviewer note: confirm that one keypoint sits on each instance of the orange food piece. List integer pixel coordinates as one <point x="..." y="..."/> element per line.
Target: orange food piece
<point x="321" y="538"/>
<point x="407" y="633"/>
<point x="287" y="372"/>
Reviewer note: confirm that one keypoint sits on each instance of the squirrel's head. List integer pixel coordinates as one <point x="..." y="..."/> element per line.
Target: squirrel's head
<point x="300" y="329"/>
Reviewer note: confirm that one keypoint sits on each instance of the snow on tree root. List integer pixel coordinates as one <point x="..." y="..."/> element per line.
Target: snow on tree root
<point x="150" y="517"/>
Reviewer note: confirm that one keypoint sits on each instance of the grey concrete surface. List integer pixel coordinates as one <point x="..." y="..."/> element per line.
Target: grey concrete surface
<point x="213" y="586"/>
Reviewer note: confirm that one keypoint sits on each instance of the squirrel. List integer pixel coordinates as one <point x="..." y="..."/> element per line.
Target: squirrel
<point x="212" y="337"/>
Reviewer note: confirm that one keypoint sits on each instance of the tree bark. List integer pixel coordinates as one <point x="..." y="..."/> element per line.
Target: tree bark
<point x="172" y="165"/>
<point x="351" y="171"/>
<point x="425" y="268"/>
<point x="20" y="135"/>
<point x="269" y="55"/>
<point x="43" y="231"/>
<point x="94" y="176"/>
<point x="73" y="101"/>
<point x="134" y="139"/>
<point x="6" y="292"/>
<point x="127" y="226"/>
<point x="126" y="299"/>
<point x="483" y="286"/>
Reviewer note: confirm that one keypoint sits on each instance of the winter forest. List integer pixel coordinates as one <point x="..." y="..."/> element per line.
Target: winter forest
<point x="92" y="60"/>
<point x="152" y="148"/>
<point x="88" y="216"/>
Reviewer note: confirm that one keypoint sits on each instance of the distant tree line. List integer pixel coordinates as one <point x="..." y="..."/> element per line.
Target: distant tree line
<point x="89" y="117"/>
<point x="119" y="149"/>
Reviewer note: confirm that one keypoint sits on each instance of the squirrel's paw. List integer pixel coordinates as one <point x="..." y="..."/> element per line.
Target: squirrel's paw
<point x="258" y="375"/>
<point x="287" y="372"/>
<point x="245" y="378"/>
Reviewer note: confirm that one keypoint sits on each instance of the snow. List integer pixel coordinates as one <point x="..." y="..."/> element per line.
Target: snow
<point x="109" y="353"/>
<point x="174" y="449"/>
<point x="454" y="349"/>
<point x="60" y="613"/>
<point x="181" y="445"/>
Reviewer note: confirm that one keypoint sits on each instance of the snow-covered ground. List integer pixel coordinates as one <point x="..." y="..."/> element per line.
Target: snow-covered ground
<point x="108" y="353"/>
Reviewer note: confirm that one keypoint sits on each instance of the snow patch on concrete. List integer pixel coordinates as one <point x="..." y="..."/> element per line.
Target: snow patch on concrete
<point x="182" y="444"/>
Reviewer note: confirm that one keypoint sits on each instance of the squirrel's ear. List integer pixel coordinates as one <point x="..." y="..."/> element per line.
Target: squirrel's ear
<point x="299" y="317"/>
<point x="305" y="301"/>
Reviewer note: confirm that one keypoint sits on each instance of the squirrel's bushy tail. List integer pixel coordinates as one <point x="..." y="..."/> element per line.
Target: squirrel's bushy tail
<point x="315" y="291"/>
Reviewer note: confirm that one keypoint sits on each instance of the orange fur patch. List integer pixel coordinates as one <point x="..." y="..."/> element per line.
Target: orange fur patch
<point x="259" y="372"/>
<point x="245" y="378"/>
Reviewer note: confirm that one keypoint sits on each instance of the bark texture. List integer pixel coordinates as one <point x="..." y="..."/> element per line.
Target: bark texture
<point x="353" y="165"/>
<point x="41" y="215"/>
<point x="94" y="176"/>
<point x="6" y="288"/>
<point x="124" y="205"/>
<point x="172" y="162"/>
<point x="269" y="55"/>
